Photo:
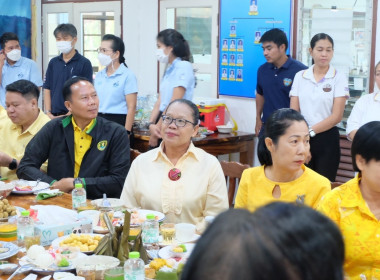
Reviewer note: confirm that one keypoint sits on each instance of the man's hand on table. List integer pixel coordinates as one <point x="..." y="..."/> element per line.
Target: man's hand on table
<point x="65" y="185"/>
<point x="5" y="159"/>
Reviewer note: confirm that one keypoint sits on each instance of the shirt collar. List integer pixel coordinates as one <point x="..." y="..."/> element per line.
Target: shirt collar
<point x="191" y="151"/>
<point x="87" y="129"/>
<point x="75" y="57"/>
<point x="353" y="196"/>
<point x="17" y="64"/>
<point x="309" y="73"/>
<point x="171" y="67"/>
<point x="285" y="65"/>
<point x="119" y="71"/>
<point x="33" y="128"/>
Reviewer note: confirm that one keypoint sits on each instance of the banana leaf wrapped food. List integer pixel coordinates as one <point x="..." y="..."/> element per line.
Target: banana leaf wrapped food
<point x="116" y="243"/>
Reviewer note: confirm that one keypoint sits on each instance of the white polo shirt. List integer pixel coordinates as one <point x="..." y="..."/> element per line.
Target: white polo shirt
<point x="316" y="99"/>
<point x="366" y="109"/>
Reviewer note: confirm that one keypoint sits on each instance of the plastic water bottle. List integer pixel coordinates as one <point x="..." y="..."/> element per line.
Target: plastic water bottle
<point x="78" y="194"/>
<point x="25" y="227"/>
<point x="134" y="267"/>
<point x="150" y="230"/>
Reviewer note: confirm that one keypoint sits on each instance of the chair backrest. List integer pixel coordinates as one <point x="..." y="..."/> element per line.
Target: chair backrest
<point x="134" y="154"/>
<point x="232" y="171"/>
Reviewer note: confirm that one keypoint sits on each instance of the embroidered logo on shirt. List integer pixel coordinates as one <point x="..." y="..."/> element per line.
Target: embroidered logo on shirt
<point x="300" y="199"/>
<point x="116" y="84"/>
<point x="287" y="82"/>
<point x="20" y="75"/>
<point x="102" y="145"/>
<point x="327" y="88"/>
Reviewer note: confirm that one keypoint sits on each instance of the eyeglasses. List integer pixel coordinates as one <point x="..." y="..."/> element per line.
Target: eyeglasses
<point x="103" y="50"/>
<point x="178" y="122"/>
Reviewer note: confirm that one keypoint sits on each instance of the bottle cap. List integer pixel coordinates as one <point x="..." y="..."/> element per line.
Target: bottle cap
<point x="150" y="216"/>
<point x="25" y="213"/>
<point x="134" y="255"/>
<point x="79" y="185"/>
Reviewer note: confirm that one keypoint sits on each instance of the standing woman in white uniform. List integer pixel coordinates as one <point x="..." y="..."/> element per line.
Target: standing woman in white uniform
<point x="366" y="109"/>
<point x="178" y="81"/>
<point x="320" y="94"/>
<point x="116" y="84"/>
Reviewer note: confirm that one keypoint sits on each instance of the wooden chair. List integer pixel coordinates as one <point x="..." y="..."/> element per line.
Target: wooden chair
<point x="134" y="154"/>
<point x="232" y="171"/>
<point x="335" y="184"/>
<point x="345" y="171"/>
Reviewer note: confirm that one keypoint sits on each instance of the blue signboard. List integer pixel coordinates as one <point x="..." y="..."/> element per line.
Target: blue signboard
<point x="242" y="23"/>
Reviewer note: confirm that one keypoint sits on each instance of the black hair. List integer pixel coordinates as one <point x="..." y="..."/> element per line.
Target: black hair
<point x="8" y="36"/>
<point x="366" y="143"/>
<point x="66" y="91"/>
<point x="27" y="89"/>
<point x="279" y="241"/>
<point x="117" y="45"/>
<point x="65" y="29"/>
<point x="317" y="37"/>
<point x="276" y="36"/>
<point x="191" y="105"/>
<point x="275" y="126"/>
<point x="172" y="38"/>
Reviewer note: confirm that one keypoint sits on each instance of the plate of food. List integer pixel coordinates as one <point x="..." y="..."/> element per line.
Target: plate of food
<point x="28" y="187"/>
<point x="116" y="203"/>
<point x="176" y="251"/>
<point x="138" y="216"/>
<point x="47" y="262"/>
<point x="7" y="250"/>
<point x="164" y="269"/>
<point x="86" y="242"/>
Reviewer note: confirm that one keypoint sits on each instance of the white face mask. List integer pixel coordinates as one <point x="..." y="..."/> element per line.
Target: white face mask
<point x="14" y="55"/>
<point x="64" y="46"/>
<point x="161" y="56"/>
<point x="104" y="59"/>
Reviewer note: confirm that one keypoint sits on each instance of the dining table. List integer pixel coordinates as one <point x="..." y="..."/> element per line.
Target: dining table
<point x="25" y="201"/>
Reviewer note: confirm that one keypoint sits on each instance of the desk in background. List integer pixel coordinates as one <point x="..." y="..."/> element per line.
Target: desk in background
<point x="215" y="144"/>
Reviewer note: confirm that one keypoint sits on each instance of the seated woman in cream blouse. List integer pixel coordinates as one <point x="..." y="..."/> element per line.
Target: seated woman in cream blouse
<point x="182" y="181"/>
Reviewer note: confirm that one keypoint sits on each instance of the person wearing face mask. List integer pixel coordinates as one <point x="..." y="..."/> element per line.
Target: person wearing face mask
<point x="13" y="66"/>
<point x="116" y="84"/>
<point x="178" y="81"/>
<point x="63" y="67"/>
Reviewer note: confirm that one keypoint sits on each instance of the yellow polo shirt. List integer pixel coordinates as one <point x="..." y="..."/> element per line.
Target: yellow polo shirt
<point x="360" y="228"/>
<point x="255" y="189"/>
<point x="3" y="115"/>
<point x="13" y="141"/>
<point x="82" y="142"/>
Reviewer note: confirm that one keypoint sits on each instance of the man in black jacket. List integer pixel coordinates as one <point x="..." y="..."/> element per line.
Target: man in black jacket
<point x="80" y="145"/>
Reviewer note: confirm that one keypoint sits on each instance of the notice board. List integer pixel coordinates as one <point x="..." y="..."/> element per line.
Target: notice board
<point x="242" y="23"/>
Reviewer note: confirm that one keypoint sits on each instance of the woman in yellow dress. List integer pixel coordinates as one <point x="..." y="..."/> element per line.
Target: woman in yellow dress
<point x="282" y="150"/>
<point x="355" y="206"/>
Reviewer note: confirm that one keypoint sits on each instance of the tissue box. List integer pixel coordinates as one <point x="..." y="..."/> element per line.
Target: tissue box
<point x="211" y="112"/>
<point x="51" y="232"/>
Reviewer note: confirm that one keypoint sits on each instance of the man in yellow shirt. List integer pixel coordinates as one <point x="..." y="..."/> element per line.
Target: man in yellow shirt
<point x="24" y="120"/>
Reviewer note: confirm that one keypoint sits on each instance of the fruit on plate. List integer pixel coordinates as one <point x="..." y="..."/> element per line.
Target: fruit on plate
<point x="6" y="209"/>
<point x="63" y="262"/>
<point x="180" y="249"/>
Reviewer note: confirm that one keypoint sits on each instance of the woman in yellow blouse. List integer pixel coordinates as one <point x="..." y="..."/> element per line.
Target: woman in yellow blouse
<point x="182" y="181"/>
<point x="355" y="206"/>
<point x="282" y="151"/>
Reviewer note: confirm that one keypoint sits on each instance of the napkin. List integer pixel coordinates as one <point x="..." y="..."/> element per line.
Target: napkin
<point x="55" y="215"/>
<point x="31" y="277"/>
<point x="48" y="193"/>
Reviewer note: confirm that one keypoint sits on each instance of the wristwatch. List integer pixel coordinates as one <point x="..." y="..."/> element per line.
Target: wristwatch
<point x="312" y="132"/>
<point x="13" y="164"/>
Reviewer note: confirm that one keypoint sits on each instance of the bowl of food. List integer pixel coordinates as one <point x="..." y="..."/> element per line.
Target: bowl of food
<point x="101" y="263"/>
<point x="224" y="129"/>
<point x="5" y="189"/>
<point x="7" y="267"/>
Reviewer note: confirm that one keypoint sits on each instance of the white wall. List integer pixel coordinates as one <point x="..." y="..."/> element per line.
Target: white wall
<point x="140" y="28"/>
<point x="377" y="52"/>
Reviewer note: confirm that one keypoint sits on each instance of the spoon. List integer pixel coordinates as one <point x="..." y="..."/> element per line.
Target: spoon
<point x="22" y="269"/>
<point x="37" y="182"/>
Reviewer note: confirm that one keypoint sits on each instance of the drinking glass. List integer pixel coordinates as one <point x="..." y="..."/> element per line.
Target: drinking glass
<point x="168" y="233"/>
<point x="116" y="273"/>
<point x="86" y="270"/>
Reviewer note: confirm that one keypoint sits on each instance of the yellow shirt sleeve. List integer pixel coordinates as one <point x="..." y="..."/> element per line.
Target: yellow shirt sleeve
<point x="329" y="205"/>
